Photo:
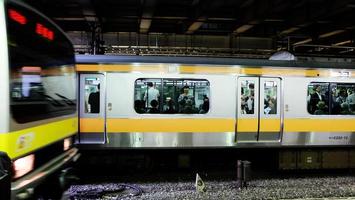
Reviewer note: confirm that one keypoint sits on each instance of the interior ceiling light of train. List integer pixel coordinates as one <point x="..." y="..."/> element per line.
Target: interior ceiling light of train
<point x="238" y="28"/>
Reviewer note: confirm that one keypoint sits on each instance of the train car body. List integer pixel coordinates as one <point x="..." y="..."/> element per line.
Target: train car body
<point x="250" y="103"/>
<point x="38" y="117"/>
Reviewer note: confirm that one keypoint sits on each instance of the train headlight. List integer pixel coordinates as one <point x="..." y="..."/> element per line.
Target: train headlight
<point x="68" y="142"/>
<point x="23" y="165"/>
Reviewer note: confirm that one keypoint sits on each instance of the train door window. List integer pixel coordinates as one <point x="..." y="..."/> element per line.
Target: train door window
<point x="147" y="96"/>
<point x="92" y="95"/>
<point x="270" y="98"/>
<point x="318" y="98"/>
<point x="342" y="99"/>
<point x="247" y="97"/>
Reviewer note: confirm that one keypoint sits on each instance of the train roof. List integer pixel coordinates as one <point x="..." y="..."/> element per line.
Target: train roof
<point x="109" y="59"/>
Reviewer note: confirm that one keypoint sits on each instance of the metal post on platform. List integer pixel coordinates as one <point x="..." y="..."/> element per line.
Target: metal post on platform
<point x="246" y="172"/>
<point x="239" y="174"/>
<point x="243" y="173"/>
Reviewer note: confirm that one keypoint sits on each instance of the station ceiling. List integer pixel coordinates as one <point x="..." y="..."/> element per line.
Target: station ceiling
<point x="303" y="26"/>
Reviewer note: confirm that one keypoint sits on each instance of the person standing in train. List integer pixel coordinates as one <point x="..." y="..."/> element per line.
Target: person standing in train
<point x="151" y="94"/>
<point x="350" y="99"/>
<point x="315" y="98"/>
<point x="94" y="101"/>
<point x="185" y="100"/>
<point x="250" y="103"/>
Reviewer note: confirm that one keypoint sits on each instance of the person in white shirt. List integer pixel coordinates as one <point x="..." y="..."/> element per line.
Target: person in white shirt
<point x="185" y="99"/>
<point x="351" y="97"/>
<point x="151" y="94"/>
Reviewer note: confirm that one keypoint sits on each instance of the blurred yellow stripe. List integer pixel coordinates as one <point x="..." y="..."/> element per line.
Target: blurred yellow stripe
<point x="21" y="142"/>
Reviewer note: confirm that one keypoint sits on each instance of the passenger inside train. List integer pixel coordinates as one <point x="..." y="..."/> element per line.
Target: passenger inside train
<point x="247" y="97"/>
<point x="186" y="101"/>
<point x="151" y="94"/>
<point x="92" y="95"/>
<point x="331" y="98"/>
<point x="94" y="100"/>
<point x="171" y="96"/>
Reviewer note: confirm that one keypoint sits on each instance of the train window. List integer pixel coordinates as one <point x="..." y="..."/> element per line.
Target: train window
<point x="331" y="98"/>
<point x="147" y="96"/>
<point x="247" y="97"/>
<point x="270" y="97"/>
<point x="318" y="98"/>
<point x="342" y="99"/>
<point x="171" y="96"/>
<point x="92" y="95"/>
<point x="41" y="61"/>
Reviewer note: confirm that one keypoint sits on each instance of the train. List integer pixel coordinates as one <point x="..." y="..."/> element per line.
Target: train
<point x="228" y="102"/>
<point x="299" y="113"/>
<point x="38" y="120"/>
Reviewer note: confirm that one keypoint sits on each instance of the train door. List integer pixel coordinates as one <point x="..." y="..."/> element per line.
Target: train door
<point x="259" y="109"/>
<point x="92" y="110"/>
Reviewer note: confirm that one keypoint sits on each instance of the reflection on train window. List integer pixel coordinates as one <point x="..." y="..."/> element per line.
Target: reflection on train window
<point x="41" y="71"/>
<point x="247" y="97"/>
<point x="270" y="97"/>
<point x="92" y="95"/>
<point x="331" y="98"/>
<point x="171" y="96"/>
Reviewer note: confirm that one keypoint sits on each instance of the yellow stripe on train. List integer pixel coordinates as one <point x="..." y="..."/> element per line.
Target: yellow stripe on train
<point x="24" y="141"/>
<point x="88" y="125"/>
<point x="158" y="125"/>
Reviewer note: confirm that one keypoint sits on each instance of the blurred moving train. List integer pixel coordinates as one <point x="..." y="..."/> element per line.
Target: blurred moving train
<point x="38" y="117"/>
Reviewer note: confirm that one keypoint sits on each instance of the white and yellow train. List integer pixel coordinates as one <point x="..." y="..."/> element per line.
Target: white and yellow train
<point x="38" y="117"/>
<point x="174" y="102"/>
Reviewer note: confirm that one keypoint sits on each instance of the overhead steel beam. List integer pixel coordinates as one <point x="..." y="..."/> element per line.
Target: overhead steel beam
<point x="247" y="3"/>
<point x="303" y="42"/>
<point x="243" y="28"/>
<point x="201" y="11"/>
<point x="196" y="25"/>
<point x="303" y="14"/>
<point x="88" y="11"/>
<point x="289" y="30"/>
<point x="251" y="13"/>
<point x="331" y="33"/>
<point x="342" y="43"/>
<point x="147" y="15"/>
<point x="92" y="19"/>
